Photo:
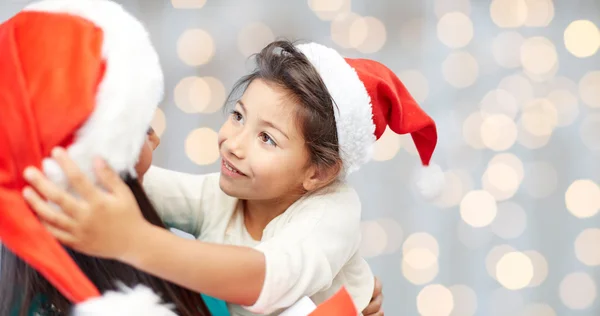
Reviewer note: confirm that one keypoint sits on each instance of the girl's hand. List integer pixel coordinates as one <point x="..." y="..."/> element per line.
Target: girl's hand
<point x="375" y="307"/>
<point x="99" y="223"/>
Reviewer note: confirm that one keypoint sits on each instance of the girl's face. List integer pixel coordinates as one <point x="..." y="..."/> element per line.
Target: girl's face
<point x="263" y="153"/>
<point x="145" y="159"/>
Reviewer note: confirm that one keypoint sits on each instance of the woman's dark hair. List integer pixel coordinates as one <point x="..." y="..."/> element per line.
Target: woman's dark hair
<point x="20" y="284"/>
<point x="281" y="64"/>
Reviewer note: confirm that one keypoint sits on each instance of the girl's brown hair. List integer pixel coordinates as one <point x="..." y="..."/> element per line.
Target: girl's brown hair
<point x="20" y="284"/>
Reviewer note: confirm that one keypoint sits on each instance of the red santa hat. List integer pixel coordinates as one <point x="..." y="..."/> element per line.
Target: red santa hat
<point x="370" y="98"/>
<point x="81" y="74"/>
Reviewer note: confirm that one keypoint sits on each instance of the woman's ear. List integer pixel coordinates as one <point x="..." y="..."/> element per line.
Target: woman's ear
<point x="318" y="177"/>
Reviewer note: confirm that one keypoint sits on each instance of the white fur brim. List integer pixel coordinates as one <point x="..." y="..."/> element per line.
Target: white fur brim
<point x="125" y="302"/>
<point x="430" y="181"/>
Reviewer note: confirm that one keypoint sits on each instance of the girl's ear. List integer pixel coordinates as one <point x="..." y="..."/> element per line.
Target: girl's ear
<point x="318" y="177"/>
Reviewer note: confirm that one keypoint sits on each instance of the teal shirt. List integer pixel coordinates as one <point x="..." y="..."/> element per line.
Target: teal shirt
<point x="215" y="306"/>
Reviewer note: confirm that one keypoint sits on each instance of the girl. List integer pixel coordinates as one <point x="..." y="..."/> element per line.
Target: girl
<point x="290" y="224"/>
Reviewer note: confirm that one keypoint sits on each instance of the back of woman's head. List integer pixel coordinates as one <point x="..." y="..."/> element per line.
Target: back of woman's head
<point x="281" y="64"/>
<point x="21" y="286"/>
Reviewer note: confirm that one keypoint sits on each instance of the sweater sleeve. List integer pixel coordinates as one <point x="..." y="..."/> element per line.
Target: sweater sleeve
<point x="177" y="198"/>
<point x="310" y="250"/>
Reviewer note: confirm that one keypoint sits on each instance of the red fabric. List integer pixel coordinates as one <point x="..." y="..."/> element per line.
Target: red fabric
<point x="393" y="106"/>
<point x="50" y="67"/>
<point x="340" y="304"/>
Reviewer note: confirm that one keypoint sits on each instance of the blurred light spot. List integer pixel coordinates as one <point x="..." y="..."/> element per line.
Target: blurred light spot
<point x="465" y="300"/>
<point x="473" y="237"/>
<point x="590" y="131"/>
<point x="504" y="302"/>
<point x="394" y="234"/>
<point x="566" y="105"/>
<point x="541" y="179"/>
<point x="460" y="69"/>
<point x="578" y="290"/>
<point x="254" y="37"/>
<point x="420" y="258"/>
<point x="586" y="247"/>
<point x="201" y="146"/>
<point x="499" y="101"/>
<point x="453" y="191"/>
<point x="416" y="83"/>
<point x="419" y="276"/>
<point x="159" y="122"/>
<point x="340" y="29"/>
<point x="455" y="30"/>
<point x="519" y="86"/>
<point x="588" y="89"/>
<point x="493" y="257"/>
<point x="539" y="117"/>
<point x="435" y="300"/>
<point x="188" y="4"/>
<point x="327" y="10"/>
<point x="583" y="198"/>
<point x="501" y="180"/>
<point x="183" y="92"/>
<point x="471" y="130"/>
<point x="510" y="222"/>
<point x="387" y="146"/>
<point x="526" y="139"/>
<point x="508" y="13"/>
<point x="195" y="47"/>
<point x="374" y="239"/>
<point x="421" y="240"/>
<point x="511" y="160"/>
<point x="538" y="309"/>
<point x="540" y="267"/>
<point x="217" y="95"/>
<point x="506" y="49"/>
<point x="367" y="34"/>
<point x="441" y="7"/>
<point x="582" y="38"/>
<point x="498" y="132"/>
<point x="539" y="13"/>
<point x="538" y="55"/>
<point x="514" y="270"/>
<point x="478" y="208"/>
<point x="545" y="77"/>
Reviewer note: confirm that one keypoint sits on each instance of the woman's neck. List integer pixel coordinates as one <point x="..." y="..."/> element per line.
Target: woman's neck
<point x="258" y="214"/>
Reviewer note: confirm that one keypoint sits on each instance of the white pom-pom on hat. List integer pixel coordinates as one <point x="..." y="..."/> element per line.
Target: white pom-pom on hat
<point x="430" y="181"/>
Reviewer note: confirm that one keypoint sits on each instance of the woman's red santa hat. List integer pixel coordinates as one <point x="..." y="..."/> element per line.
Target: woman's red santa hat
<point x="369" y="98"/>
<point x="80" y="74"/>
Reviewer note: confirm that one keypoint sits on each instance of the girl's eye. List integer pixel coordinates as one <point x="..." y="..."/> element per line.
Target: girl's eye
<point x="237" y="116"/>
<point x="265" y="138"/>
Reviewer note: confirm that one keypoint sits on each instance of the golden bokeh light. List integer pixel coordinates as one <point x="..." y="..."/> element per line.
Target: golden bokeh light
<point x="519" y="86"/>
<point x="327" y="10"/>
<point x="188" y="4"/>
<point x="514" y="270"/>
<point x="253" y="37"/>
<point x="510" y="222"/>
<point x="498" y="132"/>
<point x="421" y="240"/>
<point x="539" y="117"/>
<point x="199" y="94"/>
<point x="367" y="34"/>
<point x="501" y="180"/>
<point x="499" y="101"/>
<point x="588" y="89"/>
<point x="586" y="247"/>
<point x="387" y="146"/>
<point x="419" y="276"/>
<point x="420" y="258"/>
<point x="539" y="13"/>
<point x="442" y="7"/>
<point x="538" y="55"/>
<point x="195" y="47"/>
<point x="508" y="13"/>
<point x="455" y="29"/>
<point x="416" y="83"/>
<point x="540" y="267"/>
<point x="590" y="131"/>
<point x="340" y="29"/>
<point x="374" y="239"/>
<point x="478" y="208"/>
<point x="471" y="130"/>
<point x="159" y="122"/>
<point x="582" y="198"/>
<point x="511" y="160"/>
<point x="465" y="300"/>
<point x="494" y="256"/>
<point x="538" y="309"/>
<point x="582" y="38"/>
<point x="541" y="179"/>
<point x="460" y="69"/>
<point x="530" y="141"/>
<point x="201" y="146"/>
<point x="455" y="188"/>
<point x="578" y="290"/>
<point x="435" y="300"/>
<point x="506" y="49"/>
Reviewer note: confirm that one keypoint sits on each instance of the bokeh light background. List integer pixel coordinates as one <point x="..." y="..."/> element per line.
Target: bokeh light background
<point x="515" y="88"/>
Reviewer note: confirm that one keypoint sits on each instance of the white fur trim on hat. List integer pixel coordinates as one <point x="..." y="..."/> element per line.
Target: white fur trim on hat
<point x="128" y="95"/>
<point x="126" y="302"/>
<point x="354" y="116"/>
